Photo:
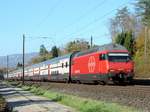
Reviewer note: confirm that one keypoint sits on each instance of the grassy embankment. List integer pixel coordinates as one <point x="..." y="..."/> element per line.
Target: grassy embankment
<point x="78" y="103"/>
<point x="2" y="104"/>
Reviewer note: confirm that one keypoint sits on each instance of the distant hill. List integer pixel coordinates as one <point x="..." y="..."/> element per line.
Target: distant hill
<point x="15" y="58"/>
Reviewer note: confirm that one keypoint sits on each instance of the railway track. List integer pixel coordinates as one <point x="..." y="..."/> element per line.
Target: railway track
<point x="131" y="95"/>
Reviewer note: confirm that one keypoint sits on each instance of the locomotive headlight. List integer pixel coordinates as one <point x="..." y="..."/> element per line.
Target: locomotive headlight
<point x="129" y="70"/>
<point x="111" y="70"/>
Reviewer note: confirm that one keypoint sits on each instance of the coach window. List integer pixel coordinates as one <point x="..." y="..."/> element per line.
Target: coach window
<point x="66" y="64"/>
<point x="62" y="65"/>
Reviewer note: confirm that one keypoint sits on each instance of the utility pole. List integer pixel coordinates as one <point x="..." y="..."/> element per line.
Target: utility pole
<point x="23" y="59"/>
<point x="7" y="65"/>
<point x="91" y="41"/>
<point x="148" y="46"/>
<point x="145" y="49"/>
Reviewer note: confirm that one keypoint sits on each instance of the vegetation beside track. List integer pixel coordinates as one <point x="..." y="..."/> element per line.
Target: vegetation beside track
<point x="80" y="104"/>
<point x="2" y="104"/>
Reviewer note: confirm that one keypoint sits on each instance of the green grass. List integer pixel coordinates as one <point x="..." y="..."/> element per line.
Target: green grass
<point x="86" y="105"/>
<point x="80" y="104"/>
<point x="1" y="99"/>
<point x="2" y="103"/>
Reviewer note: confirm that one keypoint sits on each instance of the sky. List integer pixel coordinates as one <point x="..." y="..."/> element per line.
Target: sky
<point x="60" y="21"/>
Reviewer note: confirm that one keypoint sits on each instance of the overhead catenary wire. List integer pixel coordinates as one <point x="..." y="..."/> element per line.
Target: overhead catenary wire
<point x="85" y="38"/>
<point x="82" y="16"/>
<point x="33" y="38"/>
<point x="85" y="14"/>
<point x="50" y="12"/>
<point x="96" y="20"/>
<point x="88" y="38"/>
<point x="88" y="30"/>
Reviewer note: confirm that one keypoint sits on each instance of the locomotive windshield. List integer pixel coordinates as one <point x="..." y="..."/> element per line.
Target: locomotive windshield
<point x="118" y="57"/>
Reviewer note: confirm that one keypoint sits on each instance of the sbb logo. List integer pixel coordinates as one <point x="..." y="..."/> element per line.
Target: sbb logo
<point x="91" y="64"/>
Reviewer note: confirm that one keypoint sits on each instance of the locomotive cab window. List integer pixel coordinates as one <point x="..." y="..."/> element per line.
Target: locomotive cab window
<point x="119" y="57"/>
<point x="103" y="57"/>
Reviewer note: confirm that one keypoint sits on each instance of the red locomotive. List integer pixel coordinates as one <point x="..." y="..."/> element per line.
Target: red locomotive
<point x="101" y="64"/>
<point x="111" y="62"/>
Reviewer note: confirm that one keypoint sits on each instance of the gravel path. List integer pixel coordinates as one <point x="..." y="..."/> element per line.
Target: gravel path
<point x="23" y="101"/>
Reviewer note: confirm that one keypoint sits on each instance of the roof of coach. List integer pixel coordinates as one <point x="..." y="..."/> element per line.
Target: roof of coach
<point x="57" y="59"/>
<point x="16" y="71"/>
<point x="101" y="48"/>
<point x="51" y="61"/>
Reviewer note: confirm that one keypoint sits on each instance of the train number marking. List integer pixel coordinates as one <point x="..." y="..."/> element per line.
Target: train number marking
<point x="91" y="64"/>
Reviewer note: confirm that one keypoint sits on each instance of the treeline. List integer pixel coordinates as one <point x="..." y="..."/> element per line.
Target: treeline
<point x="132" y="30"/>
<point x="44" y="54"/>
<point x="2" y="71"/>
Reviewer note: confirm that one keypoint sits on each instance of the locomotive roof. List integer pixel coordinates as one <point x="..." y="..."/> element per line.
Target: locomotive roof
<point x="101" y="48"/>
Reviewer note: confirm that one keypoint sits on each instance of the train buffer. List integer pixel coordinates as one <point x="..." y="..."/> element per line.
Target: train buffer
<point x="19" y="100"/>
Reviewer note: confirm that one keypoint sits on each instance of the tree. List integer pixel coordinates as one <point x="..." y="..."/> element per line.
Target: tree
<point x="43" y="50"/>
<point x="44" y="55"/>
<point x="41" y="58"/>
<point x="123" y="18"/>
<point x="126" y="39"/>
<point x="120" y="38"/>
<point x="113" y="29"/>
<point x="77" y="45"/>
<point x="2" y="72"/>
<point x="124" y="21"/>
<point x="54" y="52"/>
<point x="143" y="7"/>
<point x="129" y="42"/>
<point x="19" y="65"/>
<point x="142" y="65"/>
